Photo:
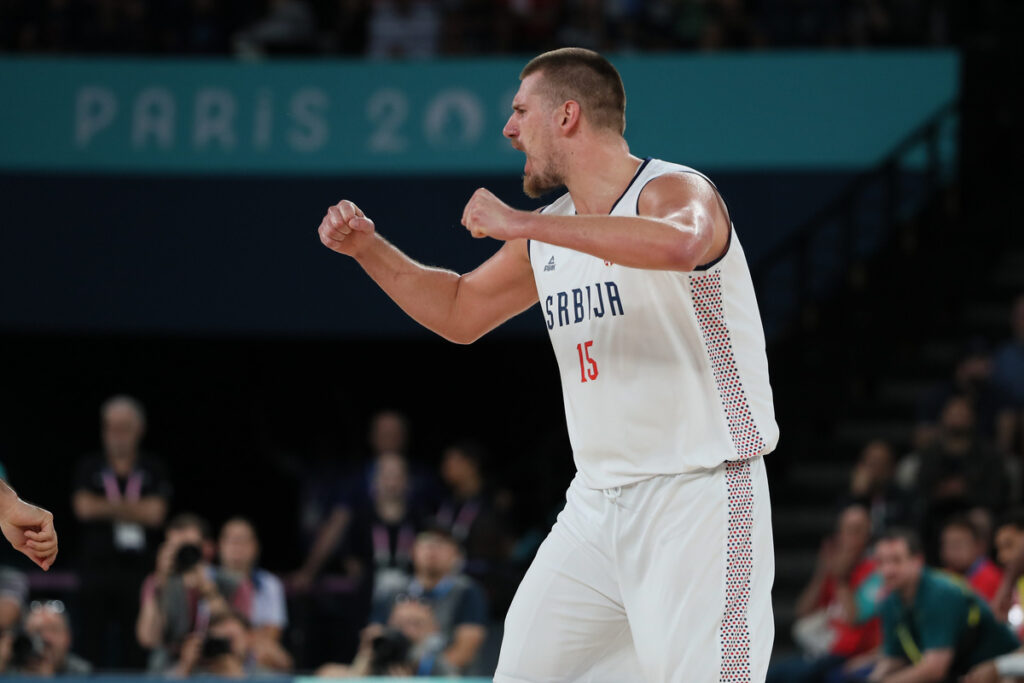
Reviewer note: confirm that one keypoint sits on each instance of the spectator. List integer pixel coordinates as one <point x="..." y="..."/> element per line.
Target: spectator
<point x="226" y="649"/>
<point x="47" y="623"/>
<point x="289" y="27"/>
<point x="384" y="528"/>
<point x="388" y="434"/>
<point x="1008" y="601"/>
<point x="457" y="602"/>
<point x="933" y="628"/>
<point x="836" y="610"/>
<point x="268" y="611"/>
<point x="873" y="484"/>
<point x="467" y="510"/>
<point x="411" y="645"/>
<point x="185" y="591"/>
<point x="959" y="471"/>
<point x="963" y="554"/>
<point x="120" y="498"/>
<point x="972" y="379"/>
<point x="404" y="29"/>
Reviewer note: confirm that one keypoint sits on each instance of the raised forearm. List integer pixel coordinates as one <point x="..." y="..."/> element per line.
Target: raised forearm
<point x="636" y="242"/>
<point x="426" y="294"/>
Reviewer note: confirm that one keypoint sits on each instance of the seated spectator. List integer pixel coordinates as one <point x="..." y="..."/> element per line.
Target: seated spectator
<point x="458" y="603"/>
<point x="963" y="554"/>
<point x="873" y="484"/>
<point x="1008" y="362"/>
<point x="836" y="610"/>
<point x="185" y="591"/>
<point x="1007" y="604"/>
<point x="384" y="528"/>
<point x="467" y="510"/>
<point x="410" y="645"/>
<point x="404" y="29"/>
<point x="225" y="649"/>
<point x="120" y="498"/>
<point x="289" y="27"/>
<point x="933" y="627"/>
<point x="268" y="612"/>
<point x="972" y="379"/>
<point x="958" y="472"/>
<point x="45" y="649"/>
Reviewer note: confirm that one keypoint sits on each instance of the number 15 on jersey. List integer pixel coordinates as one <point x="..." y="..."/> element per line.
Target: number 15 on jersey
<point x="588" y="366"/>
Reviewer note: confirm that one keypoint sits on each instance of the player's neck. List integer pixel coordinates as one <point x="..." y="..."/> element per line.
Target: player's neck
<point x="599" y="175"/>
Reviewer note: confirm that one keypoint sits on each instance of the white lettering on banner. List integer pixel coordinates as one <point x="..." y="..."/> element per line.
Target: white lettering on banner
<point x="215" y="116"/>
<point x="387" y="110"/>
<point x="262" y="119"/>
<point x="308" y="107"/>
<point x="95" y="109"/>
<point x="153" y="116"/>
<point x="212" y="120"/>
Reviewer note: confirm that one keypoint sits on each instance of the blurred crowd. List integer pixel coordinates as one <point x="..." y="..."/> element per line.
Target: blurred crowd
<point x="426" y="28"/>
<point x="408" y="571"/>
<point x="925" y="567"/>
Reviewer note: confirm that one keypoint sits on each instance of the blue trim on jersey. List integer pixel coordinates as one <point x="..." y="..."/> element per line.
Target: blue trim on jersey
<point x="635" y="176"/>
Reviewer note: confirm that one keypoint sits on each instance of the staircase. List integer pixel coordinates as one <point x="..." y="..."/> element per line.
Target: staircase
<point x="886" y="285"/>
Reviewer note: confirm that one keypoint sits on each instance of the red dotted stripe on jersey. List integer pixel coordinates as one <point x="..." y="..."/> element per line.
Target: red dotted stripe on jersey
<point x="706" y="291"/>
<point x="735" y="632"/>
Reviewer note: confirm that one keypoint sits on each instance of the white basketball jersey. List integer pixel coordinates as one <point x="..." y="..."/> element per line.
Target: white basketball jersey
<point x="662" y="371"/>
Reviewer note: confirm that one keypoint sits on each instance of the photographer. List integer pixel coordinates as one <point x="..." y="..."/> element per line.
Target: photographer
<point x="185" y="592"/>
<point x="225" y="649"/>
<point x="410" y="645"/>
<point x="43" y="647"/>
<point x="457" y="602"/>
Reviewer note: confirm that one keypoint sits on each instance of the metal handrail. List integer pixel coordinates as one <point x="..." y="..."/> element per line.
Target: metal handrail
<point x="844" y="208"/>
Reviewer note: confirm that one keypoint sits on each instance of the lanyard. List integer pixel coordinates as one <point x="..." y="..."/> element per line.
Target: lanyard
<point x="132" y="489"/>
<point x="460" y="523"/>
<point x="382" y="554"/>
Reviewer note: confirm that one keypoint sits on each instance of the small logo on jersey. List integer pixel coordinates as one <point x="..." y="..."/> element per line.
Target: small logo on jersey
<point x="609" y="263"/>
<point x="550" y="265"/>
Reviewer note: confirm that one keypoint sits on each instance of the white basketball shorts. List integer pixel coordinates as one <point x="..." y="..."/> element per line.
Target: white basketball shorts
<point x="666" y="580"/>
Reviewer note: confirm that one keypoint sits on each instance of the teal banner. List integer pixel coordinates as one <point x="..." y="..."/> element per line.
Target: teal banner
<point x="772" y="111"/>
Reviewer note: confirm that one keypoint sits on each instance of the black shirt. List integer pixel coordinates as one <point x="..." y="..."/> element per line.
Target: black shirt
<point x="101" y="546"/>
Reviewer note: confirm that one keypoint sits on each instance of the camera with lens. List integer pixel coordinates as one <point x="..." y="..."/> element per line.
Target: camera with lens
<point x="27" y="649"/>
<point x="214" y="647"/>
<point x="187" y="557"/>
<point x="390" y="648"/>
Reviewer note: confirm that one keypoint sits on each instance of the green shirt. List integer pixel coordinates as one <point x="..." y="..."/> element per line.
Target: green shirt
<point x="941" y="618"/>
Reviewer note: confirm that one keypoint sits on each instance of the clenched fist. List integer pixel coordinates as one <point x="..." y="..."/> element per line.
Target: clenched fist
<point x="346" y="229"/>
<point x="487" y="216"/>
<point x="30" y="530"/>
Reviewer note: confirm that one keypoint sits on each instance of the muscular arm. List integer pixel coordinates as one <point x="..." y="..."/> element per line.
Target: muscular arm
<point x="681" y="225"/>
<point x="148" y="511"/>
<point x="460" y="308"/>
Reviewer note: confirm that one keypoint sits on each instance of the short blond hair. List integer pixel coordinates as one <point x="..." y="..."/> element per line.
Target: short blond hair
<point x="574" y="73"/>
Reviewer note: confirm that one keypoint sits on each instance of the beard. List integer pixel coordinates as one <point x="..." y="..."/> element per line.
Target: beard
<point x="547" y="176"/>
<point x="539" y="184"/>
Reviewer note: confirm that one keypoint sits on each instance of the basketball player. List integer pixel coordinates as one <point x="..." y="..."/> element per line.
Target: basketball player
<point x="28" y="528"/>
<point x="660" y="566"/>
